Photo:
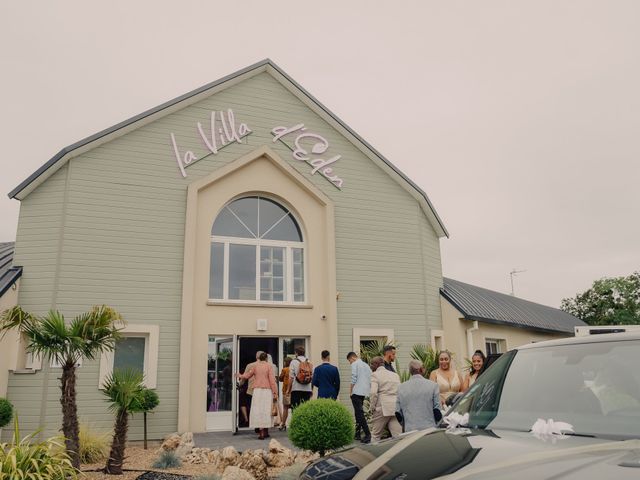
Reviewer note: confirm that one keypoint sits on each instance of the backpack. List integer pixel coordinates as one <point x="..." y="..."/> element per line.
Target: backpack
<point x="305" y="372"/>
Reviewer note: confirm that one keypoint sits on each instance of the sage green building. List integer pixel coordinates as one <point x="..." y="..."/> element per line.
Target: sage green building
<point x="241" y="216"/>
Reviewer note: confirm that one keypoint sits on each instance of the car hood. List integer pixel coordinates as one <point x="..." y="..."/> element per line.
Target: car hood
<point x="480" y="455"/>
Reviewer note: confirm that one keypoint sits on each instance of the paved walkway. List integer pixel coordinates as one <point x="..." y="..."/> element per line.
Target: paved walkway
<point x="243" y="440"/>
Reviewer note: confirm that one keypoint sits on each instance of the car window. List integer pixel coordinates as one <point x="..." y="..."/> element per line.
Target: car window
<point x="593" y="386"/>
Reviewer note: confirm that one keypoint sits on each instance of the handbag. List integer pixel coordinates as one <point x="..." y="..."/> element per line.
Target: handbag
<point x="274" y="408"/>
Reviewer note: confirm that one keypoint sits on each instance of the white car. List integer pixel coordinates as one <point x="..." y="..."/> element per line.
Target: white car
<point x="562" y="409"/>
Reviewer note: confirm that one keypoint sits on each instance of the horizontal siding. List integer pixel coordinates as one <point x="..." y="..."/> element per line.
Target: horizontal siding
<point x="123" y="240"/>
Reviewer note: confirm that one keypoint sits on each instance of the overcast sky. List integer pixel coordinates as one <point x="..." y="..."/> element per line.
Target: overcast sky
<point x="520" y="119"/>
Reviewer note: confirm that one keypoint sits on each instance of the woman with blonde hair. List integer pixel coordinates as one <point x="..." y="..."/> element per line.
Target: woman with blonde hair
<point x="446" y="377"/>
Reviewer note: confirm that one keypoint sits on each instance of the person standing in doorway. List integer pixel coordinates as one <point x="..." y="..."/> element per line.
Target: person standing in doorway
<point x="286" y="392"/>
<point x="389" y="354"/>
<point x="360" y="388"/>
<point x="382" y="400"/>
<point x="265" y="393"/>
<point x="300" y="373"/>
<point x="326" y="378"/>
<point x="251" y="380"/>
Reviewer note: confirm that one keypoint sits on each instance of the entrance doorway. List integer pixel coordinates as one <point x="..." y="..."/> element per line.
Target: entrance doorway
<point x="279" y="348"/>
<point x="248" y="347"/>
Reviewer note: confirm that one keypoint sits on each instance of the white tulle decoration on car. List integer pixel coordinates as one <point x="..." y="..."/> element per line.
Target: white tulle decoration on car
<point x="549" y="430"/>
<point x="455" y="423"/>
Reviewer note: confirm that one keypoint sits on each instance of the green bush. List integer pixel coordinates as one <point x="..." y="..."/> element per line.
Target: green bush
<point x="93" y="446"/>
<point x="321" y="425"/>
<point x="25" y="459"/>
<point x="6" y="412"/>
<point x="167" y="459"/>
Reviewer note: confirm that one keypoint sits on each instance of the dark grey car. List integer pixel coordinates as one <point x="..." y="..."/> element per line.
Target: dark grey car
<point x="592" y="383"/>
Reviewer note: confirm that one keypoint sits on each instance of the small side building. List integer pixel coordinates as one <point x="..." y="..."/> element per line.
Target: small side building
<point x="9" y="283"/>
<point x="477" y="318"/>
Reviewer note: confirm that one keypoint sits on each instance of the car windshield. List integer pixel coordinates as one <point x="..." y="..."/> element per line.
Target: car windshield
<point x="593" y="386"/>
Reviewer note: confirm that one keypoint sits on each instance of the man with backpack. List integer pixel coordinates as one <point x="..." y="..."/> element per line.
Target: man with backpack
<point x="301" y="374"/>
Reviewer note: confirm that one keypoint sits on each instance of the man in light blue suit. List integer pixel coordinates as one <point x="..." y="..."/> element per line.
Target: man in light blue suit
<point x="417" y="399"/>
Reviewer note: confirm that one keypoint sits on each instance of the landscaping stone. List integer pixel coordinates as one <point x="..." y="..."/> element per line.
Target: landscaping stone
<point x="171" y="442"/>
<point x="236" y="473"/>
<point x="279" y="456"/>
<point x="306" y="456"/>
<point x="253" y="462"/>
<point x="229" y="456"/>
<point x="186" y="445"/>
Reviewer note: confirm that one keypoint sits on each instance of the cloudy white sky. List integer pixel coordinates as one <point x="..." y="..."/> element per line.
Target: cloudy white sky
<point x="520" y="119"/>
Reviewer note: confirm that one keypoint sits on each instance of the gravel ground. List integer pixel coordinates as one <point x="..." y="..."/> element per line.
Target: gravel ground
<point x="139" y="461"/>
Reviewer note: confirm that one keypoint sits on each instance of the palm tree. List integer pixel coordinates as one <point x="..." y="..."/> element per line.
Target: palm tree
<point x="427" y="355"/>
<point x="124" y="389"/>
<point x="51" y="338"/>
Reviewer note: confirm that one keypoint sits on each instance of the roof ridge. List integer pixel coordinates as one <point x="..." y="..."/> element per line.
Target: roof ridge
<point x="437" y="222"/>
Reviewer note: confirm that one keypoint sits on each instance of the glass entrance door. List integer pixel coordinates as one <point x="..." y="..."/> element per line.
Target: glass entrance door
<point x="220" y="392"/>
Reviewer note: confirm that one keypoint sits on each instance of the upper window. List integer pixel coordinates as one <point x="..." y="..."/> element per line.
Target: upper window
<point x="494" y="346"/>
<point x="257" y="253"/>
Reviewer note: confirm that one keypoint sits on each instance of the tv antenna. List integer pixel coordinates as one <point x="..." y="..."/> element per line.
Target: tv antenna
<point x="511" y="274"/>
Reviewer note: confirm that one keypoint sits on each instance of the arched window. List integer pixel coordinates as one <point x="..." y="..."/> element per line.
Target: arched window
<point x="257" y="253"/>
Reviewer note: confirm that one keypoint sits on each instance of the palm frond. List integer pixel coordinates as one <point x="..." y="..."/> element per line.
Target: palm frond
<point x="48" y="337"/>
<point x="15" y="318"/>
<point x="374" y="349"/>
<point x="427" y="355"/>
<point x="124" y="390"/>
<point x="97" y="330"/>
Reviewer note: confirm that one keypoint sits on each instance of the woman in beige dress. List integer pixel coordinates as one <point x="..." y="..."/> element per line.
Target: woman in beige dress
<point x="446" y="377"/>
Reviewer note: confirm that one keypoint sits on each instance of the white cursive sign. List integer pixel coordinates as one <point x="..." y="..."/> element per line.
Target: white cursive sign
<point x="320" y="146"/>
<point x="218" y="137"/>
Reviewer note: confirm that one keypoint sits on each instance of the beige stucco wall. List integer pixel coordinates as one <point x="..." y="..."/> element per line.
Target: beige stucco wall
<point x="8" y="344"/>
<point x="455" y="334"/>
<point x="268" y="175"/>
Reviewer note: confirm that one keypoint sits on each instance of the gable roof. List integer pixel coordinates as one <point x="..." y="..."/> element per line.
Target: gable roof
<point x="483" y="305"/>
<point x="8" y="273"/>
<point x="46" y="170"/>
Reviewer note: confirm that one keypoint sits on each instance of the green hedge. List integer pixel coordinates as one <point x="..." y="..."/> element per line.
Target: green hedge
<point x="321" y="425"/>
<point x="6" y="412"/>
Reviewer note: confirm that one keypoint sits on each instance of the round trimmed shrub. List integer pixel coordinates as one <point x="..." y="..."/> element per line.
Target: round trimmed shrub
<point x="6" y="412"/>
<point x="321" y="425"/>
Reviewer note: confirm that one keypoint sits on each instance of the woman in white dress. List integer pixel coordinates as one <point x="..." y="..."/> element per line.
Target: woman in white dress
<point x="265" y="393"/>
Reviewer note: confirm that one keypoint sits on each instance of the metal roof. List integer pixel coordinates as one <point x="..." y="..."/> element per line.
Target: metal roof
<point x="483" y="305"/>
<point x="8" y="273"/>
<point x="265" y="65"/>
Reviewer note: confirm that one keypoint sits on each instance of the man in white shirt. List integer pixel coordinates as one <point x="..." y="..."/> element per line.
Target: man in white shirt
<point x="360" y="388"/>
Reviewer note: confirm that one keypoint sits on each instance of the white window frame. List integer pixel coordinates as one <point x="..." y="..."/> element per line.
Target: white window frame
<point x="151" y="334"/>
<point x="501" y="344"/>
<point x="364" y="333"/>
<point x="437" y="336"/>
<point x="258" y="243"/>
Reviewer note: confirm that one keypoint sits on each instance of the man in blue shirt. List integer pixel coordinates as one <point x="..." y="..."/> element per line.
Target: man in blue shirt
<point x="360" y="388"/>
<point x="326" y="378"/>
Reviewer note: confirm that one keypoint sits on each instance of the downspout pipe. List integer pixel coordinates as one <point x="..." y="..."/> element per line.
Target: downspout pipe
<point x="470" y="331"/>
